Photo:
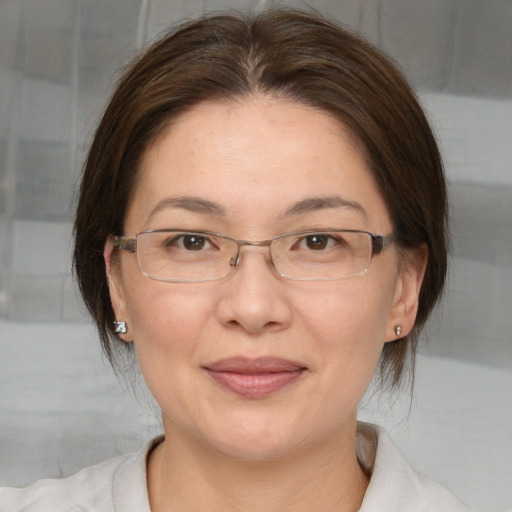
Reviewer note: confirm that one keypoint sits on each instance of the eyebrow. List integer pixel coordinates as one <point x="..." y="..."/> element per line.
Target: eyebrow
<point x="189" y="203"/>
<point x="310" y="205"/>
<point x="315" y="204"/>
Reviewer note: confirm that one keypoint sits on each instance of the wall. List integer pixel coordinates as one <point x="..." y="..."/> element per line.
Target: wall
<point x="62" y="408"/>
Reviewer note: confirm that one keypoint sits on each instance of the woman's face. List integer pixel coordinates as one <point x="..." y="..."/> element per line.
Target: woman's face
<point x="255" y="365"/>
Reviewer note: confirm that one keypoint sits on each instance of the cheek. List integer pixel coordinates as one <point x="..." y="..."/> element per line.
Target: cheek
<point x="167" y="323"/>
<point x="351" y="313"/>
<point x="348" y="324"/>
<point x="170" y="332"/>
<point x="162" y="310"/>
<point x="345" y="326"/>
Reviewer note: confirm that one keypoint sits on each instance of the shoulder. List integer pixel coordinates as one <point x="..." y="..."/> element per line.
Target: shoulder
<point x="89" y="489"/>
<point x="98" y="488"/>
<point x="394" y="485"/>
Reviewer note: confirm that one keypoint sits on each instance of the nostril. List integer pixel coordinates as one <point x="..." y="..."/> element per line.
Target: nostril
<point x="253" y="328"/>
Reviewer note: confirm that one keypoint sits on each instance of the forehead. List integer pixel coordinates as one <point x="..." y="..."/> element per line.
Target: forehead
<point x="255" y="153"/>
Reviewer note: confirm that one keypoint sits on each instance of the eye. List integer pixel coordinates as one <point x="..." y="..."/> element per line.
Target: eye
<point x="321" y="242"/>
<point x="188" y="242"/>
<point x="317" y="241"/>
<point x="193" y="242"/>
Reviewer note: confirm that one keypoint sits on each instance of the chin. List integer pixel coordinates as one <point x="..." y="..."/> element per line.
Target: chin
<point x="257" y="449"/>
<point x="257" y="440"/>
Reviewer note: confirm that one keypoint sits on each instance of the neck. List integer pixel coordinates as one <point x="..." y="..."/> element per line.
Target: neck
<point x="186" y="476"/>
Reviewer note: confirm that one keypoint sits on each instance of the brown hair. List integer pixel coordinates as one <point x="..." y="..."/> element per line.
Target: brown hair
<point x="282" y="53"/>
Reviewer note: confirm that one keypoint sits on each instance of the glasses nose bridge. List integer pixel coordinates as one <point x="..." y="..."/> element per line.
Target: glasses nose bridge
<point x="241" y="243"/>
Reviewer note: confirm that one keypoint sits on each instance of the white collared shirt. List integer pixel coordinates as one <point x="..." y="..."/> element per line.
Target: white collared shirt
<point x="119" y="484"/>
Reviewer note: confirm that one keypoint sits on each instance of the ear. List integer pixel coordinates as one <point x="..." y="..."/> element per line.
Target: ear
<point x="115" y="285"/>
<point x="407" y="291"/>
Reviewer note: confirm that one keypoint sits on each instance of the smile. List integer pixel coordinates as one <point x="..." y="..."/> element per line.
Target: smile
<point x="255" y="378"/>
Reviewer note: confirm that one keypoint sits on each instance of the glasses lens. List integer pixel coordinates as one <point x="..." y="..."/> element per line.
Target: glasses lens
<point x="321" y="256"/>
<point x="181" y="256"/>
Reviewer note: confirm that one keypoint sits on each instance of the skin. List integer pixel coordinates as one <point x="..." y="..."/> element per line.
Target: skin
<point x="293" y="450"/>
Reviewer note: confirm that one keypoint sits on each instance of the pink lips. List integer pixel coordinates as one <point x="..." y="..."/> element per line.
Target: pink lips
<point x="255" y="378"/>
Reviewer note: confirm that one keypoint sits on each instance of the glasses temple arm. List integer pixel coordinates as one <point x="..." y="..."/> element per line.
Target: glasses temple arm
<point x="125" y="244"/>
<point x="380" y="242"/>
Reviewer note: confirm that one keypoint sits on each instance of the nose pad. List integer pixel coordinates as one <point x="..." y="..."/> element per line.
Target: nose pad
<point x="235" y="260"/>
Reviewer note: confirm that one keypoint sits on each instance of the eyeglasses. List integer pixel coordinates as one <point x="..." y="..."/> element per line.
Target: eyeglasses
<point x="178" y="256"/>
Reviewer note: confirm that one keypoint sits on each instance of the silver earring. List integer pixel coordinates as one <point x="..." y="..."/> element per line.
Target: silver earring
<point x="120" y="327"/>
<point x="398" y="330"/>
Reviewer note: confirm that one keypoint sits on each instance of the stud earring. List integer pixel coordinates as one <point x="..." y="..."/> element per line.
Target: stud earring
<point x="120" y="327"/>
<point x="398" y="330"/>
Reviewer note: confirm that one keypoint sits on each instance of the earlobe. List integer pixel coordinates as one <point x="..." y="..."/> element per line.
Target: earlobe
<point x="407" y="291"/>
<point x="115" y="288"/>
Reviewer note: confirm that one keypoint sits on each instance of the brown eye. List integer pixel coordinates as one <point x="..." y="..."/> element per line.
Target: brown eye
<point x="193" y="242"/>
<point x="317" y="242"/>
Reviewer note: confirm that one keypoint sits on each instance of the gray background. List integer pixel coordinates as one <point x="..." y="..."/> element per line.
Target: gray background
<point x="60" y="405"/>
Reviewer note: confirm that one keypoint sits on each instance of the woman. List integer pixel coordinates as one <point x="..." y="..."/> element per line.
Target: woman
<point x="262" y="218"/>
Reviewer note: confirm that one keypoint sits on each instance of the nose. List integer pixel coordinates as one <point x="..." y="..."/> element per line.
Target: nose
<point x="253" y="296"/>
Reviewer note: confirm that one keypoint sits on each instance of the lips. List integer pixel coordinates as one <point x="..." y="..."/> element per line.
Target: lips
<point x="255" y="378"/>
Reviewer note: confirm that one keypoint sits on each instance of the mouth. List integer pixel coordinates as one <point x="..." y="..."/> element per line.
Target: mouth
<point x="255" y="378"/>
